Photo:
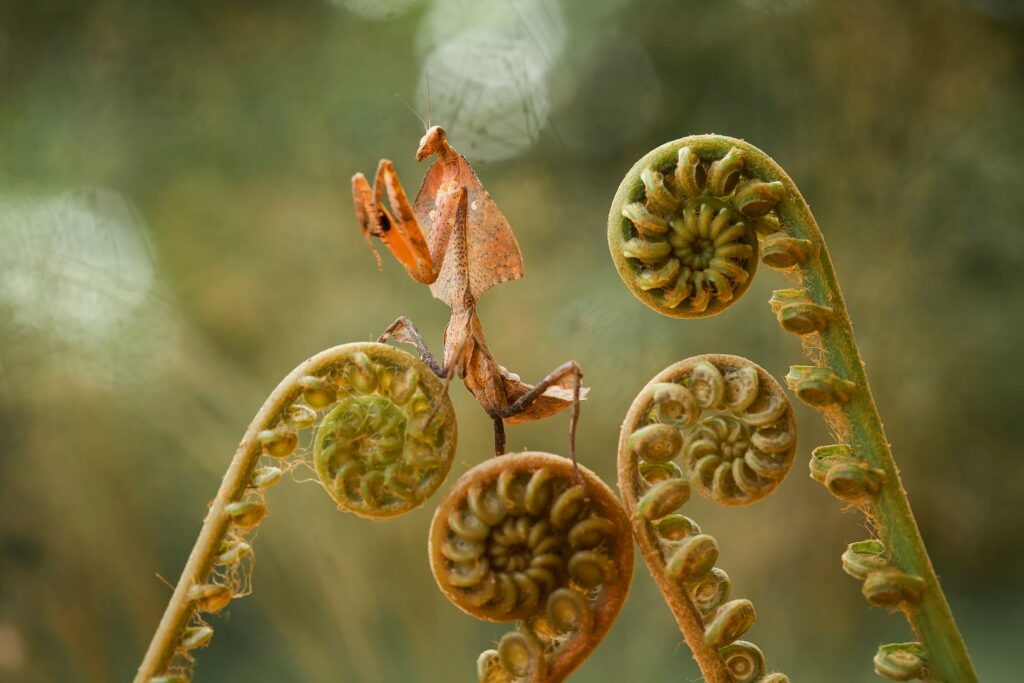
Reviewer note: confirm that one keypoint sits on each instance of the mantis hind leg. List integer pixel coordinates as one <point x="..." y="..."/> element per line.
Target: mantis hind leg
<point x="567" y="373"/>
<point x="499" y="435"/>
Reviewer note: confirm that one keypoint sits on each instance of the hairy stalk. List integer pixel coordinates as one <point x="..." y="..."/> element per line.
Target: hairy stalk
<point x="368" y="412"/>
<point x="683" y="232"/>
<point x="733" y="428"/>
<point x="540" y="540"/>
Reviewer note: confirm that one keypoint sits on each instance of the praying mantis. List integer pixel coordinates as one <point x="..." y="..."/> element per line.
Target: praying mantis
<point x="454" y="239"/>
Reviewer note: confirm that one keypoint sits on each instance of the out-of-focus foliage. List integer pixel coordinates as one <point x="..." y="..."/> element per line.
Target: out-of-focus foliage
<point x="176" y="234"/>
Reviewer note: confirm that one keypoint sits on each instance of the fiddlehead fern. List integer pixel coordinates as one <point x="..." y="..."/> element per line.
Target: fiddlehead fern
<point x="732" y="428"/>
<point x="383" y="433"/>
<point x="524" y="537"/>
<point x="648" y="227"/>
<point x="692" y="246"/>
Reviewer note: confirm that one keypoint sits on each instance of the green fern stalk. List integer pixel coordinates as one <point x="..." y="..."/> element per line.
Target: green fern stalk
<point x="685" y="230"/>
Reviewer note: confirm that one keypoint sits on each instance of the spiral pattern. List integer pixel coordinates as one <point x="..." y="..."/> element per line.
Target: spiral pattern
<point x="377" y="451"/>
<point x="523" y="538"/>
<point x="683" y="229"/>
<point x="716" y="414"/>
<point x="728" y="419"/>
<point x="383" y="435"/>
<point x="745" y="661"/>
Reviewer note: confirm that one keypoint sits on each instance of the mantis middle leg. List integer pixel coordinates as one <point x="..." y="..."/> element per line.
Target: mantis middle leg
<point x="529" y="406"/>
<point x="404" y="330"/>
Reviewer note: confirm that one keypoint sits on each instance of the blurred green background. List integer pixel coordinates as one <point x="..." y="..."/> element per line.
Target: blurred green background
<point x="176" y="233"/>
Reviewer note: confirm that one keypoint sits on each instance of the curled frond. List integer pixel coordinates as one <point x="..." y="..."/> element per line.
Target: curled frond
<point x="522" y="538"/>
<point x="382" y="432"/>
<point x="902" y="662"/>
<point x="683" y="228"/>
<point x="727" y="421"/>
<point x="724" y="202"/>
<point x="729" y="424"/>
<point x="377" y="451"/>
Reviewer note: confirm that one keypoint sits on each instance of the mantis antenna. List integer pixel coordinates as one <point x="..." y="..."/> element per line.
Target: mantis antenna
<point x="426" y="125"/>
<point x="426" y="75"/>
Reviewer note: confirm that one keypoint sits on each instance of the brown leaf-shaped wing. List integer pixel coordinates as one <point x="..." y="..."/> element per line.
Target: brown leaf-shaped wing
<point x="492" y="254"/>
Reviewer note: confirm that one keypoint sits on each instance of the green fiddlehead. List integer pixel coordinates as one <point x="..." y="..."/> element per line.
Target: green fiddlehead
<point x="382" y="433"/>
<point x="525" y="537"/>
<point x="729" y="425"/>
<point x="713" y="197"/>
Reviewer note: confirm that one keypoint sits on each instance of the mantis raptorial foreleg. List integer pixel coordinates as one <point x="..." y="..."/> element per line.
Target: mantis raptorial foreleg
<point x="376" y="221"/>
<point x="399" y="228"/>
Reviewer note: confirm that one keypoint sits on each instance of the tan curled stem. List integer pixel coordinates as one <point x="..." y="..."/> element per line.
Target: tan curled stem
<point x="686" y="614"/>
<point x="236" y="480"/>
<point x="640" y="498"/>
<point x="237" y="483"/>
<point x="562" y="652"/>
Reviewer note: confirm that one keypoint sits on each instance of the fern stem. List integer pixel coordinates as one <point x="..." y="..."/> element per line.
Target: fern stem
<point x="716" y="414"/>
<point x="350" y="394"/>
<point x="743" y="184"/>
<point x="200" y="561"/>
<point x="931" y="618"/>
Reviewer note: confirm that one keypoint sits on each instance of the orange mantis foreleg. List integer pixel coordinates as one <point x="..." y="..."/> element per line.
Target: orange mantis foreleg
<point x="399" y="228"/>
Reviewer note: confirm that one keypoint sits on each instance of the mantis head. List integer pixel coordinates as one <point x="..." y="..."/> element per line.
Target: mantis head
<point x="435" y="141"/>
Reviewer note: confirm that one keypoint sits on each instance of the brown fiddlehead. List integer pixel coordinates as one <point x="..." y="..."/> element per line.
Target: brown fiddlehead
<point x="381" y="432"/>
<point x="686" y="229"/>
<point x="722" y="425"/>
<point x="528" y="538"/>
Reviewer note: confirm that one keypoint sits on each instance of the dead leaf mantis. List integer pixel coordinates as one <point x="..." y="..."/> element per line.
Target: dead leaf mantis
<point x="454" y="238"/>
